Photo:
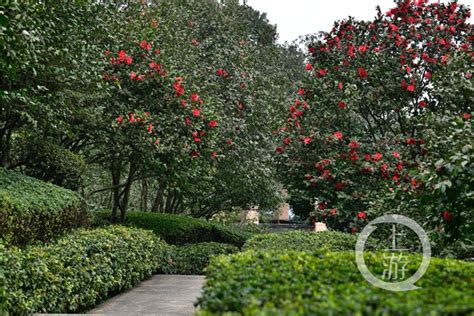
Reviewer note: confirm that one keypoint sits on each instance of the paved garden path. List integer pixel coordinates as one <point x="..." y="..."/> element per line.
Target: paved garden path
<point x="162" y="295"/>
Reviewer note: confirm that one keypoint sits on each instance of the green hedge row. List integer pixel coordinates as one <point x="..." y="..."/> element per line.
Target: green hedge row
<point x="302" y="241"/>
<point x="80" y="269"/>
<point x="302" y="283"/>
<point x="180" y="230"/>
<point x="194" y="258"/>
<point x="31" y="209"/>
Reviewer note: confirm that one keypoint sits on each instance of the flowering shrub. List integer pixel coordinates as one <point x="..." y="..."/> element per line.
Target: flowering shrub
<point x="356" y="130"/>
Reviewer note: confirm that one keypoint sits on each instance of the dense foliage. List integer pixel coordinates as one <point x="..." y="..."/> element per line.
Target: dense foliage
<point x="299" y="283"/>
<point x="194" y="258"/>
<point x="31" y="209"/>
<point x="382" y="122"/>
<point x="302" y="241"/>
<point x="79" y="270"/>
<point x="178" y="229"/>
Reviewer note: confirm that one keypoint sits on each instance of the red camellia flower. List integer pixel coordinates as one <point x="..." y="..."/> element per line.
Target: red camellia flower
<point x="427" y="75"/>
<point x="309" y="67"/>
<point x="339" y="85"/>
<point x="354" y="144"/>
<point x="278" y="150"/>
<point x="363" y="48"/>
<point x="178" y="89"/>
<point x="194" y="97"/>
<point x="411" y="141"/>
<point x="362" y="72"/>
<point x="333" y="211"/>
<point x="396" y="155"/>
<point x="145" y="45"/>
<point x="196" y="112"/>
<point x="131" y="117"/>
<point x="133" y="75"/>
<point x="121" y="55"/>
<point x="368" y="157"/>
<point x="378" y="156"/>
<point x="150" y="128"/>
<point x="446" y="216"/>
<point x="342" y="104"/>
<point x="120" y="119"/>
<point x="287" y="140"/>
<point x="322" y="206"/>
<point x="362" y="215"/>
<point x="187" y="120"/>
<point x="213" y="123"/>
<point x="128" y="60"/>
<point x="323" y="71"/>
<point x="307" y="140"/>
<point x="422" y="104"/>
<point x="213" y="154"/>
<point x="466" y="116"/>
<point x="301" y="91"/>
<point x="220" y="72"/>
<point x="338" y="135"/>
<point x="411" y="88"/>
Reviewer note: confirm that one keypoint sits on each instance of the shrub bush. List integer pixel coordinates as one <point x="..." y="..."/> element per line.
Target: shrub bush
<point x="302" y="241"/>
<point x="31" y="209"/>
<point x="80" y="269"/>
<point x="180" y="230"/>
<point x="299" y="283"/>
<point x="194" y="258"/>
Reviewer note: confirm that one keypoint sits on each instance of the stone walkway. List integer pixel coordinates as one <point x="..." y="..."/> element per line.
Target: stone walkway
<point x="162" y="295"/>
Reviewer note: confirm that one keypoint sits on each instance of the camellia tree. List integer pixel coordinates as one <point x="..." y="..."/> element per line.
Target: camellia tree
<point x="358" y="129"/>
<point x="166" y="106"/>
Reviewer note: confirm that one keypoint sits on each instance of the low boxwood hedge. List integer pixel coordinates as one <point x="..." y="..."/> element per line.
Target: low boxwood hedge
<point x="80" y="269"/>
<point x="303" y="283"/>
<point x="180" y="230"/>
<point x="302" y="241"/>
<point x="194" y="258"/>
<point x="31" y="209"/>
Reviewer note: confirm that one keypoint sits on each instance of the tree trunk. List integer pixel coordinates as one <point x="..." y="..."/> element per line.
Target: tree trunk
<point x="144" y="196"/>
<point x="126" y="192"/>
<point x="115" y="168"/>
<point x="157" y="202"/>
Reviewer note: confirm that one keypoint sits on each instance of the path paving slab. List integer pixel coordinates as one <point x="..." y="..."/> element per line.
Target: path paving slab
<point x="163" y="295"/>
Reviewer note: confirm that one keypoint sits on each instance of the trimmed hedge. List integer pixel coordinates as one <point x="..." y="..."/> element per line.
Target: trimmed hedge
<point x="31" y="209"/>
<point x="302" y="241"/>
<point x="194" y="258"/>
<point x="180" y="230"/>
<point x="80" y="269"/>
<point x="299" y="283"/>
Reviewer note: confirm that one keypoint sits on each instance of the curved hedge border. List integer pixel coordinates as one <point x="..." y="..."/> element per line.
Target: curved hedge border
<point x="180" y="230"/>
<point x="31" y="209"/>
<point x="194" y="258"/>
<point x="80" y="269"/>
<point x="299" y="283"/>
<point x="302" y="241"/>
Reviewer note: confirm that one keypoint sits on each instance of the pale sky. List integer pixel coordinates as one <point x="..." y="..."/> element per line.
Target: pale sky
<point x="299" y="17"/>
